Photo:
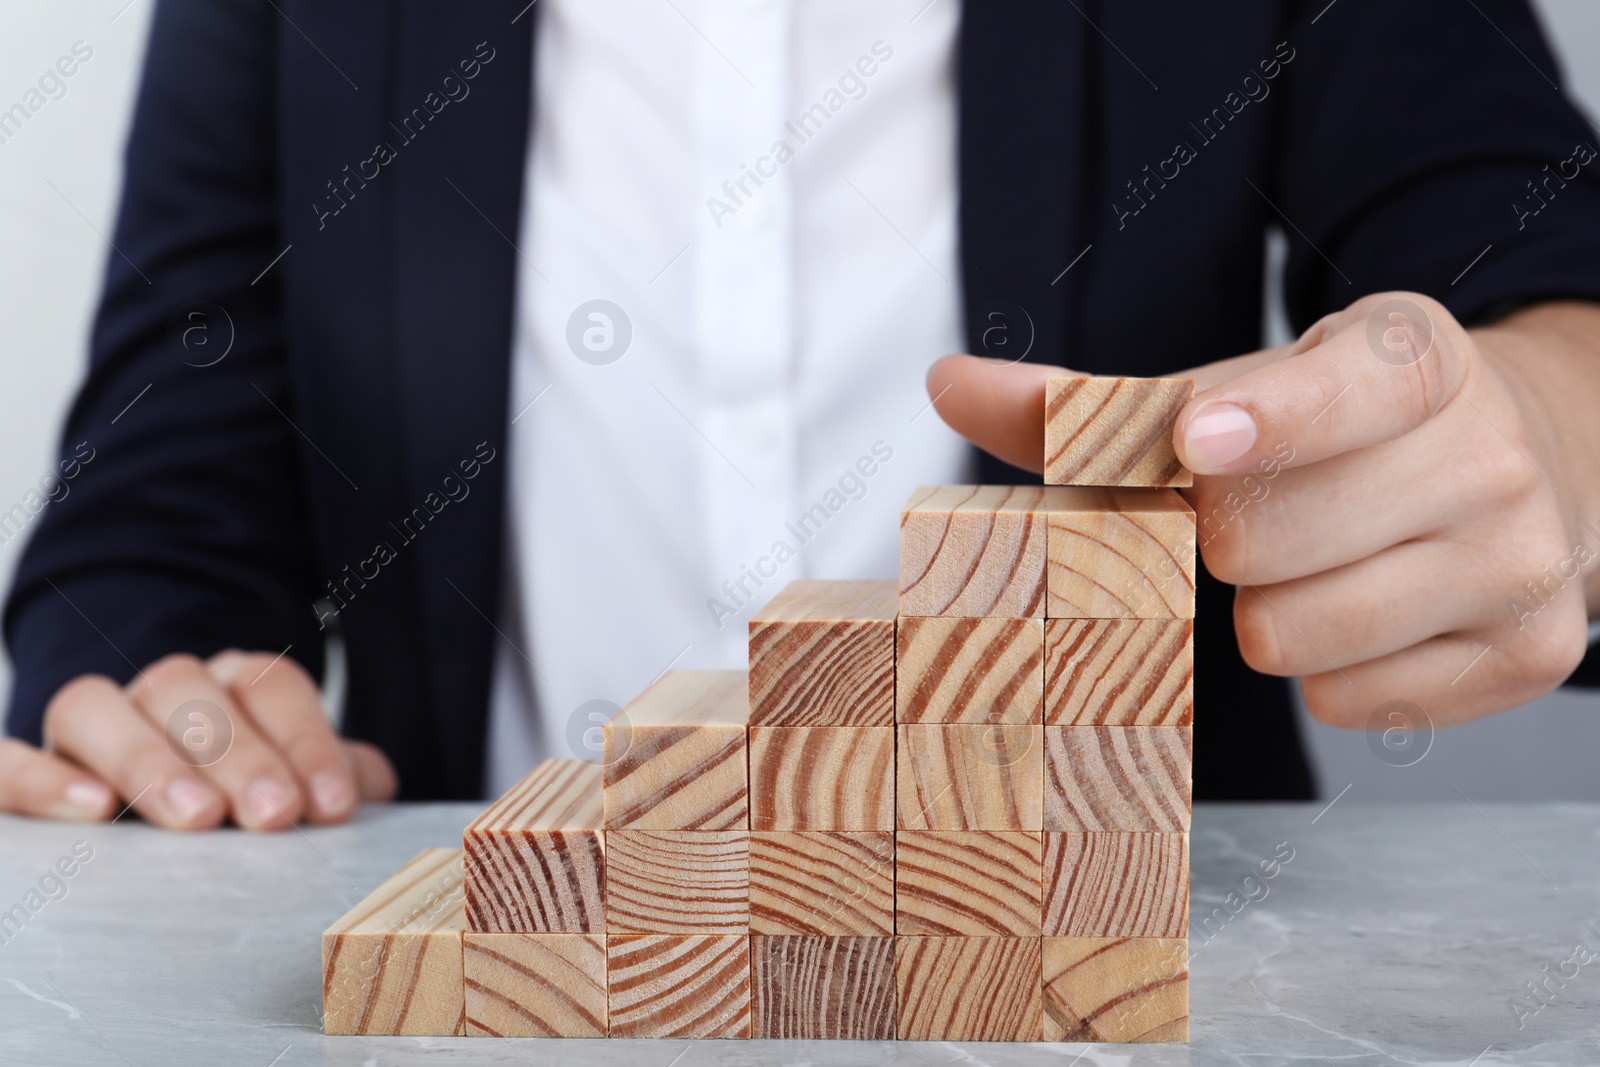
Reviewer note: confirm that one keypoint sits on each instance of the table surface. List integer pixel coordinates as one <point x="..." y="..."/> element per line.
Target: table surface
<point x="1394" y="935"/>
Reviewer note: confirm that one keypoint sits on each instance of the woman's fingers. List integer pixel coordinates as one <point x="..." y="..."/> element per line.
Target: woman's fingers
<point x="283" y="702"/>
<point x="46" y="786"/>
<point x="1371" y="374"/>
<point x="1453" y="678"/>
<point x="92" y="721"/>
<point x="998" y="406"/>
<point x="188" y="744"/>
<point x="375" y="775"/>
<point x="179" y="696"/>
<point x="1364" y="611"/>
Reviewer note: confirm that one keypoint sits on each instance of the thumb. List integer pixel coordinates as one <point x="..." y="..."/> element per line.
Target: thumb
<point x="996" y="404"/>
<point x="1369" y="374"/>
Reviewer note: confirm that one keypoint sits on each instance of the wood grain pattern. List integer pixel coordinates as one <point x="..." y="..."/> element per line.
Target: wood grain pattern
<point x="1116" y="989"/>
<point x="822" y="987"/>
<point x="535" y="985"/>
<point x="678" y="882"/>
<point x="1116" y="885"/>
<point x="1118" y="672"/>
<point x="675" y="757"/>
<point x="677" y="985"/>
<point x="1117" y="777"/>
<point x="1119" y="554"/>
<point x="967" y="883"/>
<point x="969" y="988"/>
<point x="1113" y="431"/>
<point x="534" y="859"/>
<point x="973" y="550"/>
<point x="392" y="963"/>
<point x="969" y="777"/>
<point x="822" y="778"/>
<point x="951" y="670"/>
<point x="822" y="654"/>
<point x="821" y="882"/>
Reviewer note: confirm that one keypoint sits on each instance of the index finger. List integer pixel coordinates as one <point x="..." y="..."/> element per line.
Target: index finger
<point x="1367" y="375"/>
<point x="996" y="405"/>
<point x="999" y="405"/>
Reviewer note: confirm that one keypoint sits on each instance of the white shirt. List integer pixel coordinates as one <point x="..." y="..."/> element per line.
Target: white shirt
<point x="767" y="417"/>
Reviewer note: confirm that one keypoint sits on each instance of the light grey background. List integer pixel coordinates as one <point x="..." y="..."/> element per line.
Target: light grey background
<point x="58" y="184"/>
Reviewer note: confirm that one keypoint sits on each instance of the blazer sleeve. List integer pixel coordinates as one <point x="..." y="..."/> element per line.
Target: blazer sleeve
<point x="179" y="521"/>
<point x="1429" y="146"/>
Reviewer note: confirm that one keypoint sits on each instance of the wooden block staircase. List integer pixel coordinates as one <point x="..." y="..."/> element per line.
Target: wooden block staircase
<point x="951" y="807"/>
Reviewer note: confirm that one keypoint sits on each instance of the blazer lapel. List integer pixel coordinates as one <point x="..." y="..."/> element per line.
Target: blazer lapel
<point x="457" y="207"/>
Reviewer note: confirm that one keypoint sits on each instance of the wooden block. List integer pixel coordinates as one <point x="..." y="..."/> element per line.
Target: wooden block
<point x="969" y="988"/>
<point x="392" y="964"/>
<point x="969" y="670"/>
<point x="1116" y="989"/>
<point x="1117" y="777"/>
<point x="1118" y="672"/>
<point x="822" y="654"/>
<point x="675" y="756"/>
<point x="678" y="985"/>
<point x="1119" y="554"/>
<point x="822" y="987"/>
<point x="973" y="550"/>
<point x="678" y="882"/>
<point x="1113" y="431"/>
<point x="1116" y="884"/>
<point x="821" y="882"/>
<point x="535" y="985"/>
<point x="535" y="861"/>
<point x="966" y="882"/>
<point x="969" y="777"/>
<point x="822" y="778"/>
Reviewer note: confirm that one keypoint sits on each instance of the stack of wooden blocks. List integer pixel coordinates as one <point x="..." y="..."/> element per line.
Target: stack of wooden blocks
<point x="952" y="807"/>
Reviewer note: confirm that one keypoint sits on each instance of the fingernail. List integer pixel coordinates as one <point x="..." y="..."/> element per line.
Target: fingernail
<point x="1219" y="435"/>
<point x="187" y="798"/>
<point x="331" y="792"/>
<point x="265" y="800"/>
<point x="85" y="800"/>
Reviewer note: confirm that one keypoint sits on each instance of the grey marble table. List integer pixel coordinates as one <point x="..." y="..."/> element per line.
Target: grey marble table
<point x="1393" y="935"/>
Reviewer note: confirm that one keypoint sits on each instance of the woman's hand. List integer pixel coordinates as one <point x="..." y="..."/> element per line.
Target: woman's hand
<point x="189" y="744"/>
<point x="1402" y="503"/>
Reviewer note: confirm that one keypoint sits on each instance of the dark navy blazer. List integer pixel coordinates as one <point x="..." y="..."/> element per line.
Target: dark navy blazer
<point x="327" y="192"/>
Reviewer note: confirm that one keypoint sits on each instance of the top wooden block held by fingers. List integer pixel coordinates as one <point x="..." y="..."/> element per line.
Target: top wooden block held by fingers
<point x="676" y="758"/>
<point x="1113" y="431"/>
